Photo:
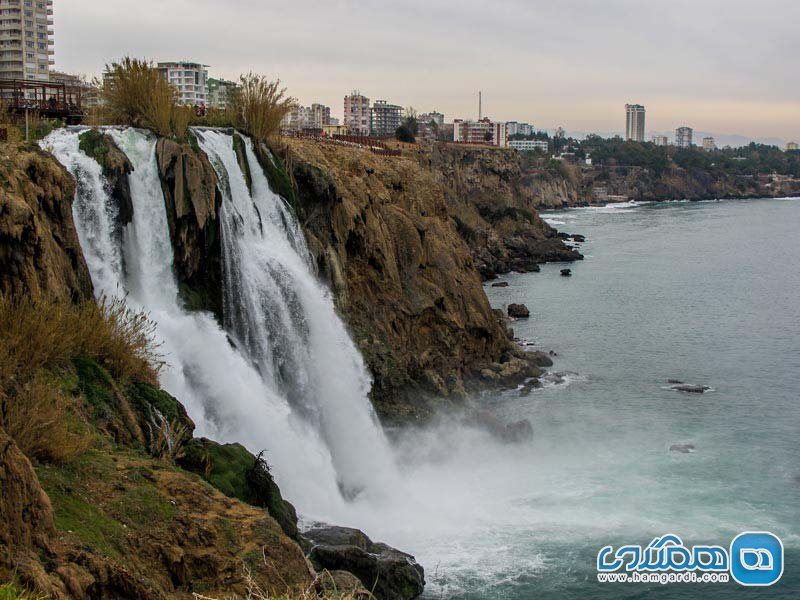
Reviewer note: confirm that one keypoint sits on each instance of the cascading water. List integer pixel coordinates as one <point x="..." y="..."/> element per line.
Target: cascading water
<point x="226" y="395"/>
<point x="285" y="320"/>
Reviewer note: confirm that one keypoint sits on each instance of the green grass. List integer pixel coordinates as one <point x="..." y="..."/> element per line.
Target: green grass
<point x="74" y="512"/>
<point x="11" y="591"/>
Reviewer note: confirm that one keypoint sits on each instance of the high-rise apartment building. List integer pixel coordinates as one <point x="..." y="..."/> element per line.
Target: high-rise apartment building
<point x="386" y="118"/>
<point x="320" y="115"/>
<point x="634" y="122"/>
<point x="683" y="137"/>
<point x="709" y="144"/>
<point x="189" y="78"/>
<point x="26" y="39"/>
<point x="357" y="116"/>
<point x="219" y="93"/>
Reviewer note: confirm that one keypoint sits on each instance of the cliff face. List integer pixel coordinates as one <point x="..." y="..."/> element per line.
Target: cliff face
<point x="403" y="278"/>
<point x="193" y="201"/>
<point x="39" y="249"/>
<point x="493" y="200"/>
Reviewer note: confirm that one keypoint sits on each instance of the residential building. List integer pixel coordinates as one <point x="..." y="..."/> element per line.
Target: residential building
<point x="560" y="133"/>
<point x="431" y="117"/>
<point x="528" y="145"/>
<point x="483" y="131"/>
<point x="320" y="115"/>
<point x="515" y="128"/>
<point x="709" y="144"/>
<point x="386" y="118"/>
<point x="792" y="146"/>
<point x="661" y="140"/>
<point x="219" y="91"/>
<point x="634" y="122"/>
<point x="298" y="118"/>
<point x="357" y="116"/>
<point x="26" y="39"/>
<point x="333" y="121"/>
<point x="190" y="79"/>
<point x="683" y="137"/>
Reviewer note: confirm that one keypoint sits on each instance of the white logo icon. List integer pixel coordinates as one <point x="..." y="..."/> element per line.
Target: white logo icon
<point x="755" y="559"/>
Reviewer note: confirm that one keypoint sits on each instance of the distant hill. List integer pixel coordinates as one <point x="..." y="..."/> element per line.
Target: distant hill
<point x="722" y="139"/>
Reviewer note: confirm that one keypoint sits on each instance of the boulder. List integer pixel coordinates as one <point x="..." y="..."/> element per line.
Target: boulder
<point x="691" y="388"/>
<point x="518" y="311"/>
<point x="566" y="272"/>
<point x="341" y="584"/>
<point x="500" y="284"/>
<point x="682" y="448"/>
<point x="578" y="237"/>
<point x="389" y="573"/>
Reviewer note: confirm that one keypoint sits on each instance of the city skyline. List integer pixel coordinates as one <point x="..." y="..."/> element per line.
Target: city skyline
<point x="684" y="63"/>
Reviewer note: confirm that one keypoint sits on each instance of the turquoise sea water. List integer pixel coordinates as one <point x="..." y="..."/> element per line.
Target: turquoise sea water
<point x="708" y="293"/>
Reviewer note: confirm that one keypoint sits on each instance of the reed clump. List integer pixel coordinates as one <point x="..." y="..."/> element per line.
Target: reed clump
<point x="259" y="105"/>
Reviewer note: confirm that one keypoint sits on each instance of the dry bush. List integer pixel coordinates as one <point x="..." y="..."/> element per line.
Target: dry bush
<point x="43" y="334"/>
<point x="136" y="94"/>
<point x="39" y="339"/>
<point x="43" y="421"/>
<point x="259" y="105"/>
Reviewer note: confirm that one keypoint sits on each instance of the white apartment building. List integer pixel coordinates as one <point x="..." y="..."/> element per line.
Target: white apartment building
<point x="709" y="144"/>
<point x="307" y="117"/>
<point x="528" y="145"/>
<point x="683" y="137"/>
<point x="26" y="39"/>
<point x="357" y="114"/>
<point x="634" y="122"/>
<point x="219" y="93"/>
<point x="661" y="140"/>
<point x="190" y="79"/>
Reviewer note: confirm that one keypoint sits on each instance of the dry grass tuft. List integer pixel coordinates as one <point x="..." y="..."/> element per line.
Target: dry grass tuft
<point x="259" y="105"/>
<point x="38" y="340"/>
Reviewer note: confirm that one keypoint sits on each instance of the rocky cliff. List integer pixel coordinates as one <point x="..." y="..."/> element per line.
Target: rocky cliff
<point x="493" y="200"/>
<point x="39" y="249"/>
<point x="404" y="279"/>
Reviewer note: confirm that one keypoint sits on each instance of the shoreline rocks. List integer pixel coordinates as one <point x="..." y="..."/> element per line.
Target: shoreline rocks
<point x="518" y="311"/>
<point x="388" y="572"/>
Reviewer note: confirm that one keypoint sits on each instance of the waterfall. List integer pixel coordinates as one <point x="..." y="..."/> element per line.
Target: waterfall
<point x="285" y="319"/>
<point x="282" y="374"/>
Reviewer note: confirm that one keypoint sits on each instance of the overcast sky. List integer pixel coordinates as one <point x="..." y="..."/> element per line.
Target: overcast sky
<point x="728" y="66"/>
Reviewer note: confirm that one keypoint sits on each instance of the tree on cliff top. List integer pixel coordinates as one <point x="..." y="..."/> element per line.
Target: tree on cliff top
<point x="135" y="93"/>
<point x="259" y="105"/>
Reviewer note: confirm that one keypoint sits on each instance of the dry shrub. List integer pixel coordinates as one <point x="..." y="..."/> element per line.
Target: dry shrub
<point x="259" y="105"/>
<point x="39" y="339"/>
<point x="135" y="93"/>
<point x="43" y="421"/>
<point x="44" y="334"/>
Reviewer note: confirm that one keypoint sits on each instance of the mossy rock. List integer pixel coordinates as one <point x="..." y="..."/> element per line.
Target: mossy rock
<point x="237" y="473"/>
<point x="94" y="144"/>
<point x="277" y="175"/>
